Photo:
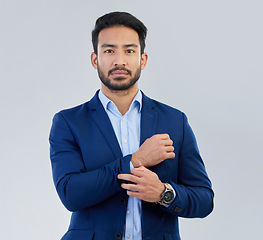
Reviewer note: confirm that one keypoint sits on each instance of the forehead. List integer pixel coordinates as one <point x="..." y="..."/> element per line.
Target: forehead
<point x="118" y="35"/>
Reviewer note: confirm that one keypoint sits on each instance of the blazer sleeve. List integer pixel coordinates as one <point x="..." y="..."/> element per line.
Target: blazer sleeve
<point x="76" y="187"/>
<point x="194" y="194"/>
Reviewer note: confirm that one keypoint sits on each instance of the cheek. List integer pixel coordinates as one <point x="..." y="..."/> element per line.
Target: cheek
<point x="103" y="63"/>
<point x="135" y="63"/>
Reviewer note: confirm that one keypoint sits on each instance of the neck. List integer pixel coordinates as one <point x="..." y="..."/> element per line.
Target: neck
<point x="122" y="99"/>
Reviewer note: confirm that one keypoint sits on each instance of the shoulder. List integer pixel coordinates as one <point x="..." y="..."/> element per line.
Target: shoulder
<point x="72" y="113"/>
<point x="76" y="110"/>
<point x="71" y="116"/>
<point x="162" y="108"/>
<point x="81" y="110"/>
<point x="167" y="108"/>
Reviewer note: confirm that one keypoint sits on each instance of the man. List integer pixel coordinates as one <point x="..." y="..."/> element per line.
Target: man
<point x="127" y="166"/>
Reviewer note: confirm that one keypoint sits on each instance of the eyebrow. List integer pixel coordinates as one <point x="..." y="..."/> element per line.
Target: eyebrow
<point x="131" y="45"/>
<point x="114" y="46"/>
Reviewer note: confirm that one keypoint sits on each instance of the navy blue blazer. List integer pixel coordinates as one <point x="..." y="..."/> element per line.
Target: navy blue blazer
<point x="86" y="159"/>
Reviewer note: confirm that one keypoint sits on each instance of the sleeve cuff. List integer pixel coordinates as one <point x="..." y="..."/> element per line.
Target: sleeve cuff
<point x="131" y="165"/>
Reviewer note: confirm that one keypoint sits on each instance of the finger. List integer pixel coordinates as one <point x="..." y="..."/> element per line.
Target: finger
<point x="141" y="168"/>
<point x="139" y="172"/>
<point x="164" y="136"/>
<point x="167" y="142"/>
<point x="169" y="149"/>
<point x="130" y="187"/>
<point x="170" y="155"/>
<point x="134" y="194"/>
<point x="128" y="177"/>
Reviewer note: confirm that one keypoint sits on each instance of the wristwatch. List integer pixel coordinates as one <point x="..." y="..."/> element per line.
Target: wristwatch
<point x="167" y="195"/>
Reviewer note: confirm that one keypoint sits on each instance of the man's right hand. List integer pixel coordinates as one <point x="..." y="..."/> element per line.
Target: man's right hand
<point x="153" y="151"/>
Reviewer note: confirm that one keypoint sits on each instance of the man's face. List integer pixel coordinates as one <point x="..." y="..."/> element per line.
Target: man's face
<point x="119" y="61"/>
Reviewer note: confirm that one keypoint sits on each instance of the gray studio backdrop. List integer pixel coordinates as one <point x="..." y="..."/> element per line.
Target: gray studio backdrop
<point x="205" y="58"/>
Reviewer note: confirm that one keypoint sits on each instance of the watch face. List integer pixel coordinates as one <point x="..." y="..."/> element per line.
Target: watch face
<point x="168" y="196"/>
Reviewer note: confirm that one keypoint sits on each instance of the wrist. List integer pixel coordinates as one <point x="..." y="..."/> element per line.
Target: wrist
<point x="135" y="160"/>
<point x="162" y="189"/>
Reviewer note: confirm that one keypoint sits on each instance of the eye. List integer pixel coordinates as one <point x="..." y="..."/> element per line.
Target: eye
<point x="130" y="51"/>
<point x="108" y="51"/>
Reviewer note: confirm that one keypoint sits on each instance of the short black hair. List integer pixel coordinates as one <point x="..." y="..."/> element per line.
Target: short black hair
<point x="119" y="19"/>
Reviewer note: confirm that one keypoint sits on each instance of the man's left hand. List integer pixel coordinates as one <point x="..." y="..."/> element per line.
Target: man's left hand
<point x="147" y="185"/>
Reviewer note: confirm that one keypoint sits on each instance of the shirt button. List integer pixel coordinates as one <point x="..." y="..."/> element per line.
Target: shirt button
<point x="125" y="140"/>
<point x="118" y="235"/>
<point x="176" y="209"/>
<point x="122" y="201"/>
<point x="128" y="236"/>
<point x="128" y="212"/>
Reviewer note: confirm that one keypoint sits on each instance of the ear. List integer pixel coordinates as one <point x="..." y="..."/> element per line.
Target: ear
<point x="94" y="60"/>
<point x="144" y="59"/>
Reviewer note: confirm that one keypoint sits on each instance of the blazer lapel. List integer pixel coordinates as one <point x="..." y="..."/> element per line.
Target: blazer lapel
<point x="148" y="118"/>
<point x="102" y="120"/>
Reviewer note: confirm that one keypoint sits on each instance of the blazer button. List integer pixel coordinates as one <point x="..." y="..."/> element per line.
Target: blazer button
<point x="118" y="236"/>
<point x="122" y="201"/>
<point x="176" y="209"/>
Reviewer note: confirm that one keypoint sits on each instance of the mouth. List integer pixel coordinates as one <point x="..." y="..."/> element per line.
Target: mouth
<point x="119" y="73"/>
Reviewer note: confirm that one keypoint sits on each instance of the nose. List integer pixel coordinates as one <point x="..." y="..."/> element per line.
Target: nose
<point x="119" y="59"/>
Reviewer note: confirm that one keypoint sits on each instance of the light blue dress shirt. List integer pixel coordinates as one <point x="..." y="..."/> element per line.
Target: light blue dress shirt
<point x="127" y="130"/>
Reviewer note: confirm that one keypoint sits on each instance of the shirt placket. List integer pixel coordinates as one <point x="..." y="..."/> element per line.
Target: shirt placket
<point x="124" y="135"/>
<point x="126" y="151"/>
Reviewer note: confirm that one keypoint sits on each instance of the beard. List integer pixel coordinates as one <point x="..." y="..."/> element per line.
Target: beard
<point x="118" y="86"/>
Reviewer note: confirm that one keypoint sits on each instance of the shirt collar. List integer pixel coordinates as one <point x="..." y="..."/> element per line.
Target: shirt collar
<point x="106" y="101"/>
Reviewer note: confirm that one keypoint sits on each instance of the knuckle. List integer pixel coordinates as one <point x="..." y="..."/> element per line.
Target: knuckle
<point x="166" y="135"/>
<point x="142" y="182"/>
<point x="162" y="155"/>
<point x="156" y="138"/>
